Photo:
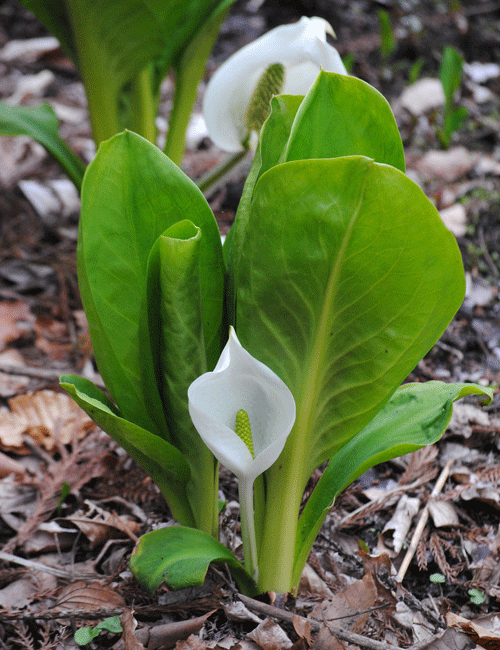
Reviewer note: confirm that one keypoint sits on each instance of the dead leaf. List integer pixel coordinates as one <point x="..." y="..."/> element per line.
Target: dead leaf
<point x="455" y="219"/>
<point x="483" y="636"/>
<point x="88" y="596"/>
<point x="452" y="639"/>
<point x="345" y="606"/>
<point x="400" y="521"/>
<point x="448" y="165"/>
<point x="191" y="643"/>
<point x="128" y="625"/>
<point x="28" y="50"/>
<point x="98" y="532"/>
<point x="49" y="418"/>
<point x="18" y="594"/>
<point x="15" y="320"/>
<point x="270" y="636"/>
<point x="443" y="513"/>
<point x="303" y="628"/>
<point x="423" y="96"/>
<point x="312" y="583"/>
<point x="238" y="612"/>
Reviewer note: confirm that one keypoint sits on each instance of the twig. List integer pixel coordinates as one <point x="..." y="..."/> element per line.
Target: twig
<point x="51" y="615"/>
<point x="48" y="374"/>
<point x="421" y="523"/>
<point x="486" y="254"/>
<point x="37" y="566"/>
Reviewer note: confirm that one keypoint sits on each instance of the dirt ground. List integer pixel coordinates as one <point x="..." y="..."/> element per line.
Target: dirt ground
<point x="73" y="503"/>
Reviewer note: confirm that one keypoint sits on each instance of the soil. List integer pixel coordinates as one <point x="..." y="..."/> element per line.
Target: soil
<point x="38" y="269"/>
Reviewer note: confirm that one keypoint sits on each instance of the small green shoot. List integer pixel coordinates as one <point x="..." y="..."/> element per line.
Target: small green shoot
<point x="476" y="596"/>
<point x="450" y="74"/>
<point x="86" y="635"/>
<point x="415" y="70"/>
<point x="387" y="41"/>
<point x="437" y="578"/>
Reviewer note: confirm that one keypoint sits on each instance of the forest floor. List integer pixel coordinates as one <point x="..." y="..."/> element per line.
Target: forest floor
<point x="72" y="504"/>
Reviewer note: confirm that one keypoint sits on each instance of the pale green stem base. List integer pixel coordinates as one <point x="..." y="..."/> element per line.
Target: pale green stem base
<point x="248" y="527"/>
<point x="144" y="106"/>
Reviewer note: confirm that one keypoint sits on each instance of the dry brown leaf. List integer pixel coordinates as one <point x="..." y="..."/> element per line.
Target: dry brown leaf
<point x="447" y="165"/>
<point x="88" y="596"/>
<point x="424" y="95"/>
<point x="128" y="625"/>
<point x="312" y="583"/>
<point x="167" y="635"/>
<point x="191" y="643"/>
<point x="480" y="635"/>
<point x="452" y="639"/>
<point x="270" y="636"/>
<point x="443" y="513"/>
<point x="15" y="317"/>
<point x="12" y="384"/>
<point x="49" y="418"/>
<point x="400" y="521"/>
<point x="98" y="532"/>
<point x="345" y="606"/>
<point x="303" y="628"/>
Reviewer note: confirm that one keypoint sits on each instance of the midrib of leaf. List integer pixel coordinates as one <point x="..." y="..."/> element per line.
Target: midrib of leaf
<point x="308" y="400"/>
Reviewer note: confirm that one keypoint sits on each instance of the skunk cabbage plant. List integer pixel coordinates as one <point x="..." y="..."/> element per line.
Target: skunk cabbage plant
<point x="338" y="276"/>
<point x="285" y="60"/>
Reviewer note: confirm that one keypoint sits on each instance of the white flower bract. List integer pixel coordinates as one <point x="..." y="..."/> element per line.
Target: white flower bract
<point x="302" y="49"/>
<point x="239" y="381"/>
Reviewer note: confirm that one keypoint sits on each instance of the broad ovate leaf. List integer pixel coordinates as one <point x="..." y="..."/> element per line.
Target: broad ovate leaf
<point x="415" y="416"/>
<point x="180" y="557"/>
<point x="131" y="194"/>
<point x="347" y="278"/>
<point x="41" y="124"/>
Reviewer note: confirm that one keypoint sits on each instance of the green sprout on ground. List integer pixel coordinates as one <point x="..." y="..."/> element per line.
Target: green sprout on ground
<point x="450" y="74"/>
<point x="86" y="635"/>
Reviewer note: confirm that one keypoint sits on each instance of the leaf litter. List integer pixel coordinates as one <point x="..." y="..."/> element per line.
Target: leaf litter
<point x="67" y="535"/>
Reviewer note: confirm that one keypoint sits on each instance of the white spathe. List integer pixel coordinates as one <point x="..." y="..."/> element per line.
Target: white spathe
<point x="302" y="49"/>
<point x="239" y="381"/>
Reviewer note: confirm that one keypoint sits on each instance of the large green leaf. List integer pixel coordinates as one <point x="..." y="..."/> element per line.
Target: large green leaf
<point x="415" y="416"/>
<point x="178" y="318"/>
<point x="180" y="557"/>
<point x="131" y="194"/>
<point x="347" y="278"/>
<point x="41" y="124"/>
<point x="163" y="462"/>
<point x="339" y="116"/>
<point x="345" y="116"/>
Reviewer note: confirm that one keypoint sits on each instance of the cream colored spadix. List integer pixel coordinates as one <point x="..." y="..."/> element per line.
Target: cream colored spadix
<point x="301" y="48"/>
<point x="238" y="383"/>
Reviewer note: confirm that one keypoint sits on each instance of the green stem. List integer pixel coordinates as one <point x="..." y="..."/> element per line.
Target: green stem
<point x="144" y="106"/>
<point x="214" y="175"/>
<point x="245" y="489"/>
<point x="189" y="71"/>
<point x="101" y="87"/>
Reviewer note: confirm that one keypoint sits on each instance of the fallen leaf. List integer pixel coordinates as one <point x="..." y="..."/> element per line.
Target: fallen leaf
<point x="12" y="384"/>
<point x="423" y="96"/>
<point x="302" y="628"/>
<point x="270" y="636"/>
<point x="443" y="513"/>
<point x="400" y="521"/>
<point x="50" y="418"/>
<point x="88" y="596"/>
<point x="478" y="634"/>
<point x="312" y="583"/>
<point x="128" y="625"/>
<point x="28" y="50"/>
<point x="455" y="219"/>
<point x="452" y="639"/>
<point x="15" y="320"/>
<point x="448" y="165"/>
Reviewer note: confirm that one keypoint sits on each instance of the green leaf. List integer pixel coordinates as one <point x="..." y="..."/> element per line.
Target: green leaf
<point x="416" y="415"/>
<point x="450" y="73"/>
<point x="85" y="635"/>
<point x="42" y="125"/>
<point x="345" y="283"/>
<point x="339" y="116"/>
<point x="180" y="557"/>
<point x="163" y="462"/>
<point x="54" y="15"/>
<point x="131" y="194"/>
<point x="344" y="116"/>
<point x="178" y="318"/>
<point x="347" y="278"/>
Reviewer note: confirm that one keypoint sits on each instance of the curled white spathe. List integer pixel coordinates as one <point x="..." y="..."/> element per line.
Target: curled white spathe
<point x="239" y="381"/>
<point x="302" y="49"/>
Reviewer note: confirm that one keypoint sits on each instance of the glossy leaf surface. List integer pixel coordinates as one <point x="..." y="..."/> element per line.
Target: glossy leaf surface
<point x="415" y="416"/>
<point x="345" y="283"/>
<point x="181" y="557"/>
<point x="163" y="462"/>
<point x="131" y="194"/>
<point x="42" y="125"/>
